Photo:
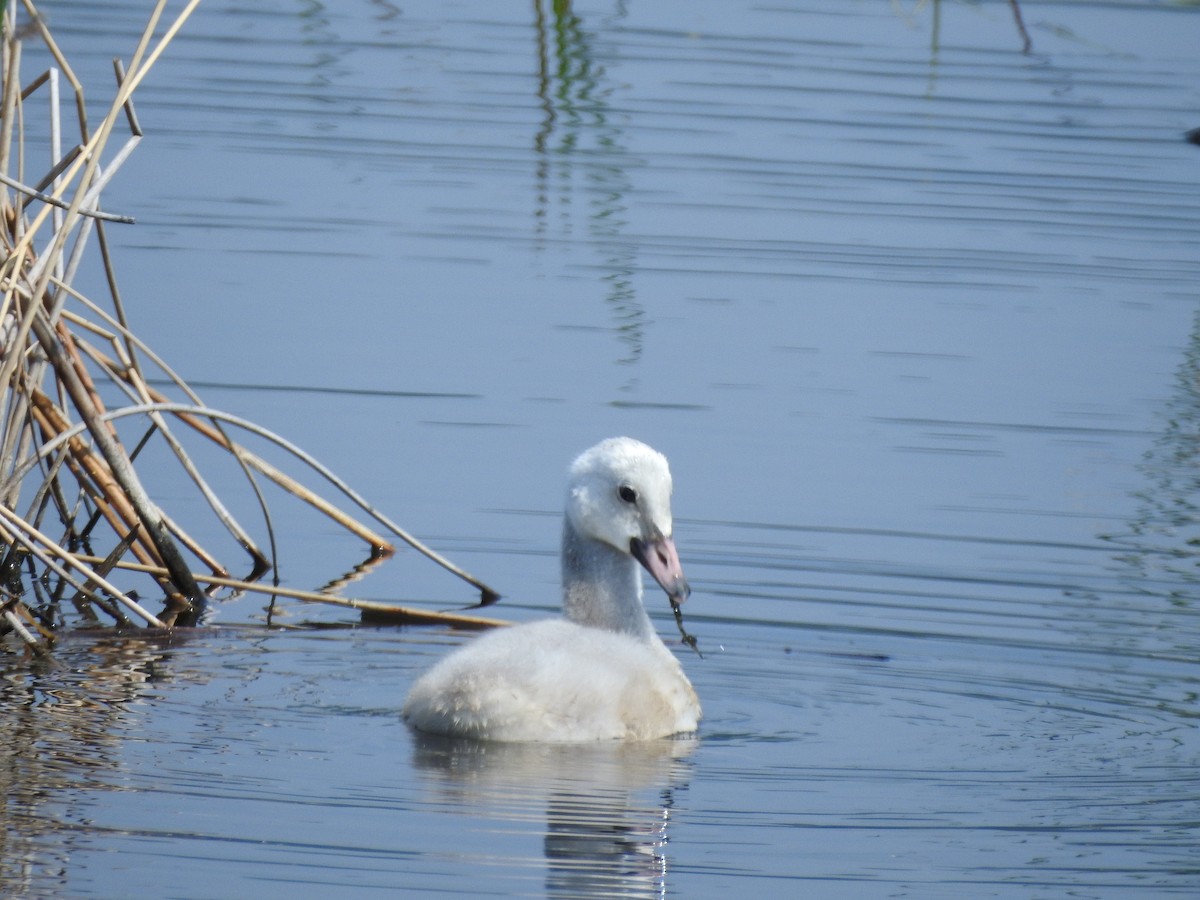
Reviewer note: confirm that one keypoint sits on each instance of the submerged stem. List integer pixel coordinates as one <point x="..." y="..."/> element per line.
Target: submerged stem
<point x="689" y="639"/>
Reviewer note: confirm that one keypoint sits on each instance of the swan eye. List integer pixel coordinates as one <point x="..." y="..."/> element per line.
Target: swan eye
<point x="626" y="493"/>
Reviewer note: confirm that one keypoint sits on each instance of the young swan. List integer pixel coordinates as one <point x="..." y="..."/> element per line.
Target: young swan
<point x="600" y="672"/>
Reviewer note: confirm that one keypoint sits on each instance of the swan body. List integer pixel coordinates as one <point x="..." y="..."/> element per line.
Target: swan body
<point x="600" y="672"/>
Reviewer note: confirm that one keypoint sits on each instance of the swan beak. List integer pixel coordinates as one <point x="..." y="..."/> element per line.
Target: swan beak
<point x="660" y="558"/>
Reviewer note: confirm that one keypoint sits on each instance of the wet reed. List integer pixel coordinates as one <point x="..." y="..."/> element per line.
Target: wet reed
<point x="84" y="398"/>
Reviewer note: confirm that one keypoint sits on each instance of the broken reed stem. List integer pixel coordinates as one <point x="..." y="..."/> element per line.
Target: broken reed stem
<point x="89" y="158"/>
<point x="188" y="412"/>
<point x="131" y="375"/>
<point x="409" y="614"/>
<point x="87" y="161"/>
<point x="23" y="633"/>
<point x="85" y="598"/>
<point x="123" y="473"/>
<point x="34" y="541"/>
<point x="93" y="476"/>
<point x="54" y="201"/>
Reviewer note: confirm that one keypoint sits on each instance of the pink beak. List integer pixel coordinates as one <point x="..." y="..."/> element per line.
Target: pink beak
<point x="660" y="558"/>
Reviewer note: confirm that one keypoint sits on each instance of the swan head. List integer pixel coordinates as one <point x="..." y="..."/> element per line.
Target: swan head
<point x="620" y="494"/>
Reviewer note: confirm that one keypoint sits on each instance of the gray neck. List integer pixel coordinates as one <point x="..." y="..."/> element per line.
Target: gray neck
<point x="602" y="587"/>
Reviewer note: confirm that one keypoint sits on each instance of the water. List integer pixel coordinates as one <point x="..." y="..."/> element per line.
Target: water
<point x="912" y="313"/>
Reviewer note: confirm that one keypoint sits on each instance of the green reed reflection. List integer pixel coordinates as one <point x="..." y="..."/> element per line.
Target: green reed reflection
<point x="1164" y="538"/>
<point x="582" y="158"/>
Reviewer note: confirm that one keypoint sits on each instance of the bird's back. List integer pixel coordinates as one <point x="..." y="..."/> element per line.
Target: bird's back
<point x="555" y="681"/>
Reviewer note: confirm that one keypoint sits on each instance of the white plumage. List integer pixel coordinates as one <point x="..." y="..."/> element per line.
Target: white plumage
<point x="600" y="672"/>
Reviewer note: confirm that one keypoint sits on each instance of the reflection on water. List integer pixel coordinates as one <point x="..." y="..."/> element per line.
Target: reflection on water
<point x="63" y="725"/>
<point x="1164" y="539"/>
<point x="914" y="347"/>
<point x="607" y="806"/>
<point x="581" y="158"/>
<point x="935" y="28"/>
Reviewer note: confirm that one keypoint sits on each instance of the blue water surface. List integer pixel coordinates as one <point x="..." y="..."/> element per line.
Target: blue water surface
<point x="912" y="311"/>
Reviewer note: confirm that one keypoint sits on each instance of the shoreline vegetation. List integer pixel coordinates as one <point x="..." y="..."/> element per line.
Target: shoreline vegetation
<point x="84" y="398"/>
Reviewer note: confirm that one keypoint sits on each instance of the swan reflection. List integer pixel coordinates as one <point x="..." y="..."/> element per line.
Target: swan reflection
<point x="607" y="804"/>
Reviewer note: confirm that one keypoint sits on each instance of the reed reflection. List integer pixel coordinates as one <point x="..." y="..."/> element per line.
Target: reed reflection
<point x="607" y="805"/>
<point x="63" y="723"/>
<point x="580" y="152"/>
<point x="1164" y="537"/>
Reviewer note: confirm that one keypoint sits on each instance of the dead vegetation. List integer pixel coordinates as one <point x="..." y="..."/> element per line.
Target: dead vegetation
<point x="84" y="398"/>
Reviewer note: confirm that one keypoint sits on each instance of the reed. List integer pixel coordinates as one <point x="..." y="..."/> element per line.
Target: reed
<point x="80" y="405"/>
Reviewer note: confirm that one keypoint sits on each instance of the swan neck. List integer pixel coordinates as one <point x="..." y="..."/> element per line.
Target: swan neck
<point x="602" y="587"/>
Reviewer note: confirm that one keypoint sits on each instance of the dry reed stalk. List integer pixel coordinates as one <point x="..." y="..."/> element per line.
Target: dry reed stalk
<point x="45" y="549"/>
<point x="393" y="612"/>
<point x="128" y="374"/>
<point x="55" y="422"/>
<point x="195" y="416"/>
